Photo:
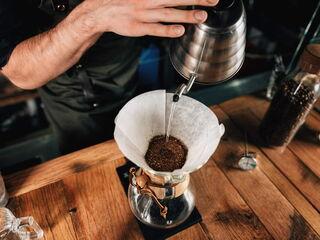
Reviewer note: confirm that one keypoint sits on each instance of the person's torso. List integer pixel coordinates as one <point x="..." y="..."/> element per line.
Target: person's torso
<point x="110" y="62"/>
<point x="109" y="50"/>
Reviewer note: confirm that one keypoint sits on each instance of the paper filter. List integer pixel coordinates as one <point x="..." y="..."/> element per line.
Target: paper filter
<point x="146" y="116"/>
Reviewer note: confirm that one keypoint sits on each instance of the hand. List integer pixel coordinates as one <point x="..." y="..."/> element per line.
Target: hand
<point x="136" y="18"/>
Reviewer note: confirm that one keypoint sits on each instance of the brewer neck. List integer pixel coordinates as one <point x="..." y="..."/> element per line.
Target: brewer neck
<point x="165" y="179"/>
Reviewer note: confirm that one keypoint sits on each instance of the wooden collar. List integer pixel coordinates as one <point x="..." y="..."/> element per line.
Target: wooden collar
<point x="156" y="188"/>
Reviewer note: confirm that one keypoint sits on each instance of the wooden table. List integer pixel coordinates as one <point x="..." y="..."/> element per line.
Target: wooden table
<point x="79" y="196"/>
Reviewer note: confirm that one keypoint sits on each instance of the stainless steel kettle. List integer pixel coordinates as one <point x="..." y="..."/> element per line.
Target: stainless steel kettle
<point x="214" y="51"/>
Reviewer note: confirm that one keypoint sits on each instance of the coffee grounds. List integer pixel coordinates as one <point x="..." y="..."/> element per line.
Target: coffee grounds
<point x="166" y="156"/>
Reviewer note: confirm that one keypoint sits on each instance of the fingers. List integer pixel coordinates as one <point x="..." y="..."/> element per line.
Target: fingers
<point x="160" y="30"/>
<point x="174" y="16"/>
<point x="177" y="3"/>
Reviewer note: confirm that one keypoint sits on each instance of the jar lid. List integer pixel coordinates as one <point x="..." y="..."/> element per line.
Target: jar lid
<point x="310" y="59"/>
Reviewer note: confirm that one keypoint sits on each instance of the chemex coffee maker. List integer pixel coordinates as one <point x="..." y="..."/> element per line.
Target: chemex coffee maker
<point x="208" y="53"/>
<point x="165" y="199"/>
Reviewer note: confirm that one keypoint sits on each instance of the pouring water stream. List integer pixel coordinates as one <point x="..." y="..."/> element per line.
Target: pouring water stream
<point x="186" y="88"/>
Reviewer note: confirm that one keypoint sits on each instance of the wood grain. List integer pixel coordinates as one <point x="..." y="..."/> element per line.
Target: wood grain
<point x="49" y="208"/>
<point x="271" y="207"/>
<point x="101" y="208"/>
<point x="304" y="145"/>
<point x="243" y="102"/>
<point x="288" y="165"/>
<point x="57" y="169"/>
<point x="194" y="232"/>
<point x="79" y="196"/>
<point x="301" y="172"/>
<point x="225" y="214"/>
<point x="316" y="115"/>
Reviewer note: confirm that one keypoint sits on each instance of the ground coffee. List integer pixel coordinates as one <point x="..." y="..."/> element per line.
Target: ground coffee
<point x="166" y="156"/>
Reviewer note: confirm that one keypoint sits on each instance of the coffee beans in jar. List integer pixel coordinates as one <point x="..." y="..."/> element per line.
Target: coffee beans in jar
<point x="288" y="110"/>
<point x="293" y="100"/>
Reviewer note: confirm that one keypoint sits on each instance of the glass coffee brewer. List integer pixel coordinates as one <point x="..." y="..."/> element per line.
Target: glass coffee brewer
<point x="293" y="101"/>
<point x="157" y="198"/>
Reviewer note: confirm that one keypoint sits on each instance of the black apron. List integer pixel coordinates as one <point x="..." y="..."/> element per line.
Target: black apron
<point x="82" y="103"/>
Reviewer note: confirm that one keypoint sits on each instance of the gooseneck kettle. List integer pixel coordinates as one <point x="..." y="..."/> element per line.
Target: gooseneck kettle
<point x="211" y="52"/>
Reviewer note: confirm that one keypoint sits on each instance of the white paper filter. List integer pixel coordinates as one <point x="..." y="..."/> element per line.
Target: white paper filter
<point x="146" y="116"/>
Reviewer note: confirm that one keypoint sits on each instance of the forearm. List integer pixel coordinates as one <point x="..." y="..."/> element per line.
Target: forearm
<point x="41" y="58"/>
<point x="37" y="60"/>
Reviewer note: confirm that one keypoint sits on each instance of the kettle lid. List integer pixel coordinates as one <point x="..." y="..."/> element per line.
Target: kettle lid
<point x="224" y="16"/>
<point x="224" y="5"/>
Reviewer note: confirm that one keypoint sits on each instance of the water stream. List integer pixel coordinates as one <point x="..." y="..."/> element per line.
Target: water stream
<point x="172" y="110"/>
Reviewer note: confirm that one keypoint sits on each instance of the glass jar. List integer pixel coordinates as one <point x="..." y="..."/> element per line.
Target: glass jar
<point x="12" y="228"/>
<point x="293" y="101"/>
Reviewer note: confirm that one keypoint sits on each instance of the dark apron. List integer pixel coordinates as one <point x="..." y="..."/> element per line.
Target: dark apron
<point x="82" y="103"/>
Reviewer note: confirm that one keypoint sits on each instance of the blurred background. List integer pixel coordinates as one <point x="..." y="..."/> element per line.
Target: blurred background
<point x="275" y="28"/>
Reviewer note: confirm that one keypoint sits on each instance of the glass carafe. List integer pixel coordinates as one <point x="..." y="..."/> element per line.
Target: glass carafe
<point x="161" y="201"/>
<point x="12" y="228"/>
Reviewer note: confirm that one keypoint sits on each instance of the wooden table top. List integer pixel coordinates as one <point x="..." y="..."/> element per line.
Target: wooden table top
<point x="79" y="196"/>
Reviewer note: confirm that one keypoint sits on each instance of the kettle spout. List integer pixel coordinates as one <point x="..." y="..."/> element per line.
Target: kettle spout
<point x="184" y="88"/>
<point x="180" y="90"/>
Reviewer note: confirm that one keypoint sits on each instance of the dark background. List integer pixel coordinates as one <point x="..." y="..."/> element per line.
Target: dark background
<point x="274" y="27"/>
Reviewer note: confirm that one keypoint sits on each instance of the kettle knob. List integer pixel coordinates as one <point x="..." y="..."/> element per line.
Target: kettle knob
<point x="223" y="5"/>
